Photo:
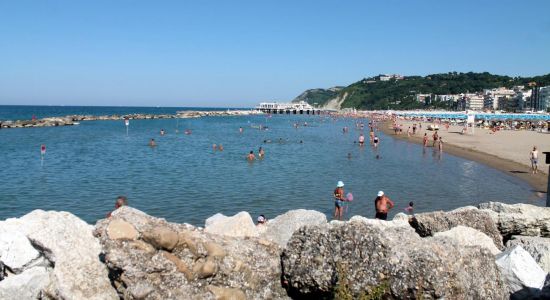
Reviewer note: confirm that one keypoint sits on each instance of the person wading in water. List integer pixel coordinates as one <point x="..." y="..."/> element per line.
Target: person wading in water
<point x="382" y="204"/>
<point x="339" y="201"/>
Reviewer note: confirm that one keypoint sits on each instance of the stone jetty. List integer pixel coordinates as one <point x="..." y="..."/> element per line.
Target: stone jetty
<point x="76" y="119"/>
<point x="492" y="251"/>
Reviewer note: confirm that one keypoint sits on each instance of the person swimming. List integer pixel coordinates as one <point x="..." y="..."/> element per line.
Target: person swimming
<point x="220" y="147"/>
<point x="261" y="152"/>
<point x="214" y="147"/>
<point x="251" y="156"/>
<point x="361" y="140"/>
<point x="152" y="143"/>
<point x="162" y="132"/>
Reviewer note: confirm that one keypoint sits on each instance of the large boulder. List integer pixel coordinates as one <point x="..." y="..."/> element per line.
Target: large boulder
<point x="467" y="236"/>
<point x="519" y="219"/>
<point x="200" y="265"/>
<point x="427" y="224"/>
<point x="16" y="251"/>
<point x="239" y="225"/>
<point x="281" y="228"/>
<point x="29" y="284"/>
<point x="538" y="247"/>
<point x="356" y="259"/>
<point x="521" y="272"/>
<point x="70" y="249"/>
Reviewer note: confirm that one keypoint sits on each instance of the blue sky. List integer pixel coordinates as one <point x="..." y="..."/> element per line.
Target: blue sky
<point x="237" y="53"/>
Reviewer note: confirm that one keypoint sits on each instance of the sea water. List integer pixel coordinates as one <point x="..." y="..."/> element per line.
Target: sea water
<point x="184" y="180"/>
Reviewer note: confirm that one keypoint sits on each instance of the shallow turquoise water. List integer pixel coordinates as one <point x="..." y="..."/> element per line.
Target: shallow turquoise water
<point x="184" y="180"/>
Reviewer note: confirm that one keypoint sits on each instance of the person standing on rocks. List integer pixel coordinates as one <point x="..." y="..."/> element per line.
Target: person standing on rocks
<point x="382" y="204"/>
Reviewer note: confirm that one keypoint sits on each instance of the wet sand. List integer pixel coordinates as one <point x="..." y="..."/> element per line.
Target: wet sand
<point x="507" y="150"/>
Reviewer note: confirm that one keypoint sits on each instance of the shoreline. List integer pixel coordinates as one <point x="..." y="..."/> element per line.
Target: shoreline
<point x="537" y="181"/>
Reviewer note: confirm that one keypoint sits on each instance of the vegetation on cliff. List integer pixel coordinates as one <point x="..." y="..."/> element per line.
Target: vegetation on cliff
<point x="318" y="97"/>
<point x="372" y="93"/>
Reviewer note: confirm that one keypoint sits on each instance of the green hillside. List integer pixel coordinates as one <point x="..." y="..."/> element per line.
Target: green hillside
<point x="318" y="96"/>
<point x="371" y="93"/>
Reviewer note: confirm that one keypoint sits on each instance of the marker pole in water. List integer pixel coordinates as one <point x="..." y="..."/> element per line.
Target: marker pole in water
<point x="127" y="123"/>
<point x="42" y="154"/>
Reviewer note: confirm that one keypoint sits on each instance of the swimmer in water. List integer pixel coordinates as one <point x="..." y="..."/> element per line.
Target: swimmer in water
<point x="240" y="130"/>
<point x="375" y="141"/>
<point x="152" y="143"/>
<point x="187" y="131"/>
<point x="220" y="147"/>
<point x="214" y="147"/>
<point x="261" y="153"/>
<point x="251" y="156"/>
<point x="361" y="140"/>
<point x="162" y="132"/>
<point x="349" y="155"/>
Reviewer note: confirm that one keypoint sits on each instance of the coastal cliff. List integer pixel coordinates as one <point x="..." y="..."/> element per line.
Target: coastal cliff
<point x="493" y="251"/>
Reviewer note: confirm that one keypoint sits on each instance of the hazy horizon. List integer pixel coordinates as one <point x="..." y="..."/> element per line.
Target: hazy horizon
<point x="173" y="54"/>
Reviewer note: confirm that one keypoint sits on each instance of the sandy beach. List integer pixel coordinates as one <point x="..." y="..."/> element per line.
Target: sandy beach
<point x="505" y="150"/>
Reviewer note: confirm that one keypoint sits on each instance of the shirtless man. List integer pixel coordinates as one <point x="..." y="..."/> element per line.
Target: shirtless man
<point x="371" y="134"/>
<point x="425" y="140"/>
<point x="435" y="137"/>
<point x="534" y="156"/>
<point x="382" y="204"/>
<point x="375" y="141"/>
<point x="251" y="156"/>
<point x="361" y="140"/>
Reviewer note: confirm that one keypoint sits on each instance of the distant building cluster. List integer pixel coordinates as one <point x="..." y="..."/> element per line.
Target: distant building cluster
<point x="387" y="77"/>
<point x="516" y="99"/>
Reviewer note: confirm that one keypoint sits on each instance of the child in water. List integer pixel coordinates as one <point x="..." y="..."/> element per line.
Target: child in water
<point x="410" y="209"/>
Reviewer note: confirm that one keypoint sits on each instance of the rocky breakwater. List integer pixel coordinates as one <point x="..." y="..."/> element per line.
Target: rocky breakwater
<point x="75" y="119"/>
<point x="453" y="255"/>
<point x="216" y="113"/>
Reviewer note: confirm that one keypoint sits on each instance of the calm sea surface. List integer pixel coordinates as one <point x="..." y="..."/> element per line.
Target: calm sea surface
<point x="184" y="180"/>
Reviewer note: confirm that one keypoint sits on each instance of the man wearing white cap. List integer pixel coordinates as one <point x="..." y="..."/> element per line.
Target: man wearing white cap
<point x="382" y="204"/>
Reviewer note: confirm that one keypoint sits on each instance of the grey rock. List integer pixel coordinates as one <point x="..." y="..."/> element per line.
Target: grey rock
<point x="359" y="259"/>
<point x="519" y="219"/>
<point x="200" y="266"/>
<point x="239" y="225"/>
<point x="27" y="285"/>
<point x="538" y="247"/>
<point x="16" y="250"/>
<point x="67" y="242"/>
<point x="427" y="224"/>
<point x="521" y="272"/>
<point x="281" y="228"/>
<point x="467" y="236"/>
